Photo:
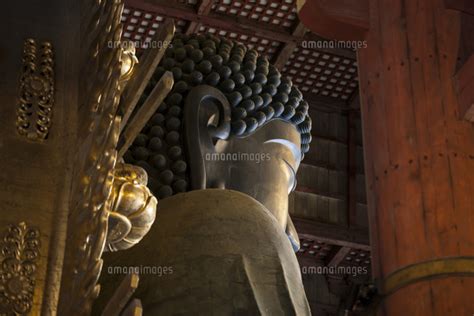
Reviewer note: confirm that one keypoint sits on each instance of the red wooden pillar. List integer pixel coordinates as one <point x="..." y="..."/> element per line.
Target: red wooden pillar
<point x="419" y="149"/>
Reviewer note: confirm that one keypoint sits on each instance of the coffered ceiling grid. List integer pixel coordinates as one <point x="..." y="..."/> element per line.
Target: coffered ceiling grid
<point x="281" y="13"/>
<point x="265" y="25"/>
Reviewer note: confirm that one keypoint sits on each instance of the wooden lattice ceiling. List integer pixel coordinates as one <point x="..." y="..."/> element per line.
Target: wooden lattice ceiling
<point x="141" y="26"/>
<point x="269" y="26"/>
<point x="325" y="252"/>
<point x="282" y="13"/>
<point x="322" y="73"/>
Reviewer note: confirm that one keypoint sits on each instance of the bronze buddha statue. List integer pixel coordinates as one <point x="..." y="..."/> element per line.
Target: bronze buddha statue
<point x="221" y="155"/>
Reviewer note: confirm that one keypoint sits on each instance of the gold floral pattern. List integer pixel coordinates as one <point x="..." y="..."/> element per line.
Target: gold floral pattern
<point x="19" y="251"/>
<point x="36" y="95"/>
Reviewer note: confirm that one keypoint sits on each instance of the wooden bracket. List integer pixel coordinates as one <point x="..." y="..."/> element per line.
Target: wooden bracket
<point x="345" y="20"/>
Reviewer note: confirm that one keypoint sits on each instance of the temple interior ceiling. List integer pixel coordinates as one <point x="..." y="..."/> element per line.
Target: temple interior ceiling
<point x="270" y="27"/>
<point x="237" y="157"/>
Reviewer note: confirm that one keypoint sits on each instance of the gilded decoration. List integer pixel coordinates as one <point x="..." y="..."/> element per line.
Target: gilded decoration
<point x="36" y="93"/>
<point x="19" y="252"/>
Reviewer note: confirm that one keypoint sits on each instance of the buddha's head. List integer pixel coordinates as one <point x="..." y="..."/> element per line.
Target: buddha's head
<point x="231" y="122"/>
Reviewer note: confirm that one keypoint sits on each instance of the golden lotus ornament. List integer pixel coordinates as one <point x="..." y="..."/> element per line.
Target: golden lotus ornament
<point x="133" y="208"/>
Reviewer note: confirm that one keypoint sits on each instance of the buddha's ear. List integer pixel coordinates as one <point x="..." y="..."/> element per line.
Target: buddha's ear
<point x="207" y="117"/>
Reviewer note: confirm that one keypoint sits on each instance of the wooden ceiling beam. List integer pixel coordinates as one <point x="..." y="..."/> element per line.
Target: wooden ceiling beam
<point x="204" y="8"/>
<point x="352" y="237"/>
<point x="285" y="53"/>
<point x="242" y="25"/>
<point x="237" y="24"/>
<point x="326" y="103"/>
<point x="301" y="191"/>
